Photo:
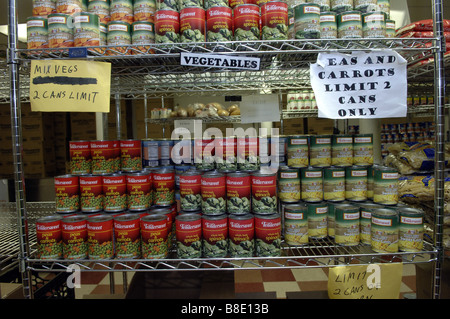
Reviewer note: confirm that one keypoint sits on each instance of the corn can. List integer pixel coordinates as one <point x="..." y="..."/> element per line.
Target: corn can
<point x="366" y="210"/>
<point x="411" y="229"/>
<point x="311" y="184"/>
<point x="297" y="151"/>
<point x="347" y="227"/>
<point x="296" y="224"/>
<point x="356" y="183"/>
<point x="342" y="150"/>
<point x="320" y="151"/>
<point x="385" y="186"/>
<point x="289" y="184"/>
<point x="317" y="220"/>
<point x="334" y="184"/>
<point x="384" y="231"/>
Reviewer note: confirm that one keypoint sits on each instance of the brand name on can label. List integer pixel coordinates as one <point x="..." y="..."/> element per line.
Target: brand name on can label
<point x="411" y="220"/>
<point x="381" y="221"/>
<point x="256" y="181"/>
<point x="311" y="9"/>
<point x="374" y="17"/>
<point x="57" y="20"/>
<point x="338" y="174"/>
<point x="321" y="210"/>
<point x="313" y="174"/>
<point x="299" y="141"/>
<point x="215" y="225"/>
<point x="47" y="227"/>
<point x="167" y="16"/>
<point x="270" y="224"/>
<point x="294" y="216"/>
<point x="323" y="141"/>
<point x="351" y="216"/>
<point x="241" y="225"/>
<point x="344" y="140"/>
<point x="213" y="13"/>
<point x="162" y="178"/>
<point x="359" y="173"/>
<point x="117" y="27"/>
<point x="327" y="18"/>
<point x="185" y="226"/>
<point x="389" y="175"/>
<point x="37" y="24"/>
<point x="351" y="17"/>
<point x="154" y="226"/>
<point x="363" y="140"/>
<point x="207" y="183"/>
<point x="275" y="7"/>
<point x="112" y="181"/>
<point x="248" y="11"/>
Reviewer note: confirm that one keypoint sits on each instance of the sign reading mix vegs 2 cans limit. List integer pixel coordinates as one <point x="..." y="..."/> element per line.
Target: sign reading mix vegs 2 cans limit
<point x="360" y="85"/>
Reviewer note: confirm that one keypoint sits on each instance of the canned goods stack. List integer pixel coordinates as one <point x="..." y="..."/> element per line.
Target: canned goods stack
<point x="304" y="100"/>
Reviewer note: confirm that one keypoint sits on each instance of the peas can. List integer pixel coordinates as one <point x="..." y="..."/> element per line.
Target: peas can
<point x="307" y="21"/>
<point x="339" y="6"/>
<point x="49" y="237"/>
<point x="101" y="9"/>
<point x="264" y="192"/>
<point x="164" y="186"/>
<point x="347" y="227"/>
<point x="167" y="26"/>
<point x="342" y="150"/>
<point x="215" y="235"/>
<point x="100" y="233"/>
<point x="241" y="234"/>
<point x="42" y="8"/>
<point x="411" y="229"/>
<point x="334" y="184"/>
<point x="385" y="182"/>
<point x="191" y="190"/>
<point x="130" y="155"/>
<point x="289" y="184"/>
<point x="87" y="30"/>
<point x="267" y="235"/>
<point x="80" y="157"/>
<point x="67" y="190"/>
<point x="320" y="151"/>
<point x="356" y="183"/>
<point x="154" y="236"/>
<point x="60" y="31"/>
<point x="37" y="33"/>
<point x="214" y="195"/>
<point x="274" y="20"/>
<point x="189" y="235"/>
<point x="374" y="24"/>
<point x="384" y="231"/>
<point x="127" y="235"/>
<point x="74" y="237"/>
<point x="363" y="149"/>
<point x="296" y="224"/>
<point x="91" y="193"/>
<point x="328" y="25"/>
<point x="104" y="156"/>
<point x="350" y="25"/>
<point x="297" y="151"/>
<point x="366" y="210"/>
<point x="226" y="152"/>
<point x="170" y="216"/>
<point x="246" y="22"/>
<point x="115" y="192"/>
<point x="311" y="184"/>
<point x="192" y="24"/>
<point x="238" y="187"/>
<point x="139" y="191"/>
<point x="121" y="10"/>
<point x="144" y="10"/>
<point x="317" y="220"/>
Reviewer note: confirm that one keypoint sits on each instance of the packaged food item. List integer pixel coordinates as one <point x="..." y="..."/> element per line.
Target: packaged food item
<point x="49" y="237"/>
<point x="127" y="235"/>
<point x="267" y="235"/>
<point x="37" y="33"/>
<point x="307" y="21"/>
<point x="347" y="227"/>
<point x="238" y="186"/>
<point x="189" y="236"/>
<point x="215" y="235"/>
<point x="317" y="220"/>
<point x="334" y="184"/>
<point x="241" y="234"/>
<point x="384" y="231"/>
<point x="74" y="237"/>
<point x="411" y="229"/>
<point x="214" y="194"/>
<point x="192" y="24"/>
<point x="264" y="192"/>
<point x="67" y="193"/>
<point x="154" y="236"/>
<point x="296" y="224"/>
<point x="246" y="22"/>
<point x="274" y="20"/>
<point x="312" y="184"/>
<point x="289" y="184"/>
<point x="100" y="232"/>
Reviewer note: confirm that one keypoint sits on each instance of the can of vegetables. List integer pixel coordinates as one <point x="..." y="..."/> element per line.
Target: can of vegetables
<point x="385" y="186"/>
<point x="268" y="235"/>
<point x="144" y="10"/>
<point x="204" y="154"/>
<point x="213" y="189"/>
<point x="192" y="24"/>
<point x="219" y="19"/>
<point x="67" y="191"/>
<point x="363" y="149"/>
<point x="69" y="6"/>
<point x="37" y="33"/>
<point x="115" y="192"/>
<point x="384" y="231"/>
<point x="241" y="235"/>
<point x="342" y="150"/>
<point x="164" y="186"/>
<point x="101" y="9"/>
<point x="42" y="8"/>
<point x="411" y="229"/>
<point x="139" y="191"/>
<point x="170" y="216"/>
<point x="317" y="220"/>
<point x="130" y="155"/>
<point x="191" y="190"/>
<point x="238" y="193"/>
<point x="91" y="193"/>
<point x="215" y="235"/>
<point x="320" y="151"/>
<point x="127" y="236"/>
<point x="248" y="153"/>
<point x="189" y="235"/>
<point x="264" y="192"/>
<point x="167" y="25"/>
<point x="356" y="183"/>
<point x="347" y="227"/>
<point x="87" y="30"/>
<point x="297" y="151"/>
<point x="48" y="235"/>
<point x="100" y="234"/>
<point x="154" y="236"/>
<point x="60" y="30"/>
<point x="80" y="157"/>
<point x="289" y="184"/>
<point x="246" y="22"/>
<point x="103" y="157"/>
<point x="311" y="184"/>
<point x="121" y="10"/>
<point x="74" y="237"/>
<point x="274" y="20"/>
<point x="225" y="154"/>
<point x="296" y="224"/>
<point x="334" y="184"/>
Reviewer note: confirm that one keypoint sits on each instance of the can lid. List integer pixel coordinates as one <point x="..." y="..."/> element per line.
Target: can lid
<point x="268" y="216"/>
<point x="188" y="217"/>
<point x="213" y="173"/>
<point x="153" y="218"/>
<point x="160" y="210"/>
<point x="126" y="217"/>
<point x="214" y="217"/>
<point x="49" y="219"/>
<point x="294" y="207"/>
<point x="245" y="216"/>
<point x="74" y="218"/>
<point x="99" y="218"/>
<point x="410" y="211"/>
<point x="385" y="212"/>
<point x="238" y="174"/>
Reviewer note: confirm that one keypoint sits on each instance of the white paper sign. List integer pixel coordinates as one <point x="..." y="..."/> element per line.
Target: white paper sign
<point x="260" y="108"/>
<point x="220" y="61"/>
<point x="360" y="85"/>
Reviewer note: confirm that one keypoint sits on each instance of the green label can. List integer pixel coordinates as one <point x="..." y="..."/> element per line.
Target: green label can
<point x="331" y="216"/>
<point x="317" y="220"/>
<point x="324" y="5"/>
<point x="307" y="21"/>
<point x="385" y="6"/>
<point x="297" y="151"/>
<point x="119" y="33"/>
<point x="87" y="30"/>
<point x="390" y="28"/>
<point x="374" y="24"/>
<point x="289" y="184"/>
<point x="350" y="25"/>
<point x="365" y="5"/>
<point x="142" y="33"/>
<point x="370" y="174"/>
<point x="328" y="25"/>
<point x="311" y="184"/>
<point x="37" y="33"/>
<point x="320" y="151"/>
<point x="356" y="183"/>
<point x="385" y="186"/>
<point x="347" y="232"/>
<point x="342" y="150"/>
<point x="366" y="210"/>
<point x="334" y="184"/>
<point x="296" y="224"/>
<point x="339" y="6"/>
<point x="101" y="9"/>
<point x="60" y="30"/>
<point x="363" y="149"/>
<point x="411" y="229"/>
<point x="384" y="231"/>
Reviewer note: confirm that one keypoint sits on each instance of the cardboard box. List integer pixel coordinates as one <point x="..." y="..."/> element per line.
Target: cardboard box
<point x="320" y="126"/>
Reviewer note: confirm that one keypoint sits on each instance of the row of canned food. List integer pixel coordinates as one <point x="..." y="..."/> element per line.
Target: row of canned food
<point x="150" y="234"/>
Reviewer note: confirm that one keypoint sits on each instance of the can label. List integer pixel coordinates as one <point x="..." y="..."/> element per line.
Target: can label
<point x="101" y="9"/>
<point x="328" y="25"/>
<point x="339" y="6"/>
<point x="154" y="236"/>
<point x="91" y="193"/>
<point x="204" y="150"/>
<point x="350" y="25"/>
<point x="80" y="157"/>
<point x="246" y="22"/>
<point x="268" y="235"/>
<point x="234" y="3"/>
<point x="264" y="193"/>
<point x="100" y="237"/>
<point x="215" y="236"/>
<point x="60" y="34"/>
<point x="49" y="240"/>
<point x="74" y="237"/>
<point x="342" y="150"/>
<point x="167" y="5"/>
<point x="139" y="191"/>
<point x="144" y="10"/>
<point x="311" y="184"/>
<point x="307" y="21"/>
<point x="289" y="185"/>
<point x="119" y="33"/>
<point x="317" y="220"/>
<point x="142" y="33"/>
<point x="374" y="25"/>
<point x="67" y="190"/>
<point x="297" y="151"/>
<point x="122" y="10"/>
<point x="127" y="236"/>
<point x="356" y="183"/>
<point x="86" y="31"/>
<point x="167" y="26"/>
<point x="238" y="193"/>
<point x="190" y="192"/>
<point x="42" y="8"/>
<point x="192" y="24"/>
<point x="296" y="225"/>
<point x="105" y="157"/>
<point x="115" y="193"/>
<point x="411" y="230"/>
<point x="274" y="18"/>
<point x="347" y="227"/>
<point x="241" y="233"/>
<point x="164" y="187"/>
<point x="320" y="151"/>
<point x="69" y="6"/>
<point x="214" y="194"/>
<point x="130" y="156"/>
<point x="365" y="5"/>
<point x="334" y="184"/>
<point x="385" y="186"/>
<point x="248" y="153"/>
<point x="150" y="153"/>
<point x="37" y="33"/>
<point x="189" y="236"/>
<point x="384" y="232"/>
<point x="226" y="153"/>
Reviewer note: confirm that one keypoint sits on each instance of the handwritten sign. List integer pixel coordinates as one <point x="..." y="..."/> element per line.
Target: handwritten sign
<point x="70" y="86"/>
<point x="373" y="281"/>
<point x="360" y="85"/>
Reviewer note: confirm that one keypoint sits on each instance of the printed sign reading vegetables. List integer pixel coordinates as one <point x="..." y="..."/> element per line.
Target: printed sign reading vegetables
<point x="360" y="85"/>
<point x="70" y="86"/>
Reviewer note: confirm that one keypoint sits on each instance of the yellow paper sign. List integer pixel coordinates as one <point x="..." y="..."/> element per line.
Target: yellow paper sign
<point x="70" y="86"/>
<point x="373" y="281"/>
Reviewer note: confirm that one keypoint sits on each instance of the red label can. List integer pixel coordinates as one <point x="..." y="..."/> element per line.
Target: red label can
<point x="80" y="157"/>
<point x="189" y="236"/>
<point x="130" y="155"/>
<point x="127" y="235"/>
<point x="74" y="237"/>
<point x="115" y="192"/>
<point x="215" y="235"/>
<point x="246" y="22"/>
<point x="100" y="237"/>
<point x="264" y="192"/>
<point x="238" y="193"/>
<point x="170" y="215"/>
<point x="226" y="154"/>
<point x="190" y="190"/>
<point x="219" y="24"/>
<point x="154" y="236"/>
<point x="192" y="24"/>
<point x="91" y="193"/>
<point x="234" y="3"/>
<point x="49" y="237"/>
<point x="139" y="191"/>
<point x="204" y="154"/>
<point x="67" y="188"/>
<point x="268" y="235"/>
<point x="167" y="26"/>
<point x="274" y="20"/>
<point x="104" y="157"/>
<point x="164" y="187"/>
<point x="213" y="193"/>
<point x="241" y="234"/>
<point x="248" y="153"/>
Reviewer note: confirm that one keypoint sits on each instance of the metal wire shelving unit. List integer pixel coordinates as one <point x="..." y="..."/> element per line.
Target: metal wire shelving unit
<point x="155" y="71"/>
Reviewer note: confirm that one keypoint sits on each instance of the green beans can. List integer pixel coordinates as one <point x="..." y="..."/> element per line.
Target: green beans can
<point x="385" y="186"/>
<point x="342" y="150"/>
<point x="384" y="231"/>
<point x="328" y="25"/>
<point x="366" y="209"/>
<point x="365" y="5"/>
<point x="307" y="21"/>
<point x="334" y="184"/>
<point x="311" y="184"/>
<point x="320" y="151"/>
<point x="411" y="229"/>
<point x="289" y="184"/>
<point x="297" y="151"/>
<point x="347" y="227"/>
<point x="296" y="224"/>
<point x="363" y="149"/>
<point x="317" y="220"/>
<point x="350" y="25"/>
<point x="356" y="183"/>
<point x="374" y="24"/>
<point x="341" y="5"/>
